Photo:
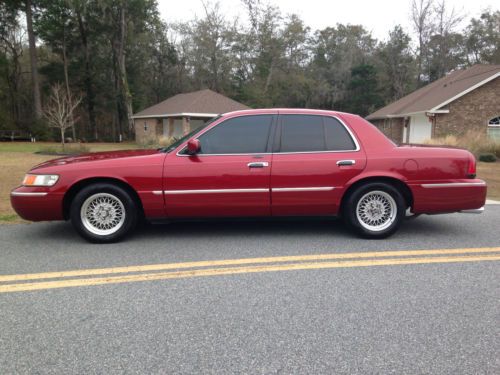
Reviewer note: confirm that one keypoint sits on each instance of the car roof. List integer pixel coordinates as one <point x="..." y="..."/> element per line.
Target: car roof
<point x="274" y="111"/>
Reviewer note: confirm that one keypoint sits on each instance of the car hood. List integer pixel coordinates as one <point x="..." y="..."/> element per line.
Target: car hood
<point x="95" y="156"/>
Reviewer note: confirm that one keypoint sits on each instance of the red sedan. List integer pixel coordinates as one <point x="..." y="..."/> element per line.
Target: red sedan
<point x="276" y="162"/>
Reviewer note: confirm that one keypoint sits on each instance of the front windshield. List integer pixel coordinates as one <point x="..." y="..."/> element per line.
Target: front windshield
<point x="178" y="142"/>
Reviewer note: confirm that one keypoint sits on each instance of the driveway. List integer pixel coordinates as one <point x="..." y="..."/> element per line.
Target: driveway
<point x="185" y="298"/>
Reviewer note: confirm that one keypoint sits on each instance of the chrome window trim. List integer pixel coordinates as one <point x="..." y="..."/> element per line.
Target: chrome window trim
<point x="291" y="189"/>
<point x="353" y="137"/>
<point x="453" y="184"/>
<point x="28" y="194"/>
<point x="215" y="191"/>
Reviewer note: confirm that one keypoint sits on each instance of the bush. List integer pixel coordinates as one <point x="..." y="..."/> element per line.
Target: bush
<point x="488" y="158"/>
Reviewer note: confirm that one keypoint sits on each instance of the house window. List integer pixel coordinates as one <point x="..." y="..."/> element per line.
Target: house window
<point x="494" y="128"/>
<point x="145" y="126"/>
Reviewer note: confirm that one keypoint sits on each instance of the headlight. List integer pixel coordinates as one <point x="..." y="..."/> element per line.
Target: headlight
<point x="40" y="179"/>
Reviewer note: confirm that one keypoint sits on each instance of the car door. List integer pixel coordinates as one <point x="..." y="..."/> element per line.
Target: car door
<point x="315" y="156"/>
<point x="229" y="176"/>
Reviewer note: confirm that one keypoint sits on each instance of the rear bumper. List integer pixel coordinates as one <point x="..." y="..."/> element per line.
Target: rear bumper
<point x="449" y="196"/>
<point x="34" y="204"/>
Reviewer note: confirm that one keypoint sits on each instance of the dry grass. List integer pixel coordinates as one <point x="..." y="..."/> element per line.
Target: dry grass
<point x="52" y="146"/>
<point x="490" y="172"/>
<point x="14" y="166"/>
<point x="473" y="141"/>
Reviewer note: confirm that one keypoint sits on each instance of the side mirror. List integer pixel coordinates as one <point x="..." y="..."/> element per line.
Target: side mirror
<point x="193" y="146"/>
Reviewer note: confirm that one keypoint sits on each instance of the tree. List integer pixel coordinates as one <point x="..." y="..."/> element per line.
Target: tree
<point x="56" y="26"/>
<point x="446" y="47"/>
<point x="483" y="38"/>
<point x="336" y="51"/>
<point x="421" y="15"/>
<point x="37" y="99"/>
<point x="363" y="94"/>
<point x="11" y="47"/>
<point x="59" y="111"/>
<point x="396" y="64"/>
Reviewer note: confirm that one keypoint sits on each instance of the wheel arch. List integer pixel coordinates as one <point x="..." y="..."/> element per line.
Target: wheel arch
<point x="391" y="180"/>
<point x="79" y="185"/>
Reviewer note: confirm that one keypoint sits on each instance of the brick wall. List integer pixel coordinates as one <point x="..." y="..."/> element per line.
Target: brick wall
<point x="392" y="128"/>
<point x="470" y="112"/>
<point x="147" y="130"/>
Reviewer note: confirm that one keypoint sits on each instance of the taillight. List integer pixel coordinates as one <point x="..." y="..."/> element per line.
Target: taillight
<point x="471" y="169"/>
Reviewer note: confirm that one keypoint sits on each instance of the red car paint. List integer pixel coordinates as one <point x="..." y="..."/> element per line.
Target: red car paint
<point x="172" y="185"/>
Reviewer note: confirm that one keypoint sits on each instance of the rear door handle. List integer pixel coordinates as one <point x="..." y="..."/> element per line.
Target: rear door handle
<point x="341" y="163"/>
<point x="259" y="164"/>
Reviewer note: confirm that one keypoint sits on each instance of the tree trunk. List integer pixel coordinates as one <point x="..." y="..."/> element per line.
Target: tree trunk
<point x="37" y="101"/>
<point x="62" y="139"/>
<point x="125" y="92"/>
<point x="88" y="77"/>
<point x="66" y="81"/>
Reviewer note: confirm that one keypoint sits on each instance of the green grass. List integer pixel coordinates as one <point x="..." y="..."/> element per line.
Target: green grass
<point x="9" y="218"/>
<point x="53" y="146"/>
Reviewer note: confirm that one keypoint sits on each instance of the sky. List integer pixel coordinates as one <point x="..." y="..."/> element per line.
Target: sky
<point x="378" y="16"/>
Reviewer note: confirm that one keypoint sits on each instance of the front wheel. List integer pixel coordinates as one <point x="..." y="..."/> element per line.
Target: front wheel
<point x="103" y="213"/>
<point x="375" y="210"/>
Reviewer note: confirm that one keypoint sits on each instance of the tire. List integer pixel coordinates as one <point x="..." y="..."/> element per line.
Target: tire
<point x="103" y="213"/>
<point x="375" y="210"/>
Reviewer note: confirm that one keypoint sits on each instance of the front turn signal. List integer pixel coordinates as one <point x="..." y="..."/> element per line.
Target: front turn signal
<point x="40" y="179"/>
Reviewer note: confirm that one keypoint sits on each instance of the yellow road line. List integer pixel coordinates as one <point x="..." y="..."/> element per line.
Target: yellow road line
<point x="234" y="262"/>
<point x="237" y="270"/>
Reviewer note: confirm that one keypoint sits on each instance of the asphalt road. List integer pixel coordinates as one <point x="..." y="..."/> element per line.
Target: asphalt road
<point x="408" y="318"/>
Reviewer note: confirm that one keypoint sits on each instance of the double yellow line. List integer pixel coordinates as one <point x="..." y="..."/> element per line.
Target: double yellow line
<point x="115" y="275"/>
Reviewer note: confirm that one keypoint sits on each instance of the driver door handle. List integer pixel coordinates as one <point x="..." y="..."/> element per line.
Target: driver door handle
<point x="259" y="164"/>
<point x="341" y="163"/>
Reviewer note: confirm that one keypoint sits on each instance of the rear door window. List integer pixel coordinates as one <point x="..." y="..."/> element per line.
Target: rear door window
<point x="301" y="133"/>
<point x="312" y="133"/>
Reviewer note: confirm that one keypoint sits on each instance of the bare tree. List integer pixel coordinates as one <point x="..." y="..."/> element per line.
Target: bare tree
<point x="421" y="14"/>
<point x="59" y="111"/>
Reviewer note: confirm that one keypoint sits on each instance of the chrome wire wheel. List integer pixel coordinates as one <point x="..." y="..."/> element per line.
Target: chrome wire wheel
<point x="376" y="210"/>
<point x="102" y="214"/>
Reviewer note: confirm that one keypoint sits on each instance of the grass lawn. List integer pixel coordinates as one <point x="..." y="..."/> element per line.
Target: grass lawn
<point x="53" y="146"/>
<point x="16" y="162"/>
<point x="490" y="172"/>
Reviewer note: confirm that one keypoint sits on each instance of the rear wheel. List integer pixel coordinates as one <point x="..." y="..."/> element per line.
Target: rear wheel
<point x="375" y="210"/>
<point x="103" y="213"/>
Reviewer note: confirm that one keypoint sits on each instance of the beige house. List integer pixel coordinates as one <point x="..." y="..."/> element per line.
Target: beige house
<point x="463" y="100"/>
<point x="180" y="114"/>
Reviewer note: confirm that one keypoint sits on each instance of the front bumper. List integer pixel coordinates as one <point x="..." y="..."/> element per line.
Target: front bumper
<point x="36" y="204"/>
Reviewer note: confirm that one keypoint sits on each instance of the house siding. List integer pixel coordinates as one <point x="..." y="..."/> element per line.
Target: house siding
<point x="392" y="128"/>
<point x="471" y="112"/>
<point x="151" y="134"/>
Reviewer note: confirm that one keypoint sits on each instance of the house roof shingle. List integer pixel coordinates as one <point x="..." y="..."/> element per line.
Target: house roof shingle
<point x="438" y="92"/>
<point x="197" y="102"/>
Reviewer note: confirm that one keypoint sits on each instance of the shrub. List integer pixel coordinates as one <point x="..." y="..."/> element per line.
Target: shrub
<point x="166" y="141"/>
<point x="488" y="158"/>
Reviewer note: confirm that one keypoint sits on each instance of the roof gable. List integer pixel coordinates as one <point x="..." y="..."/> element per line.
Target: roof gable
<point x="197" y="102"/>
<point x="439" y="93"/>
